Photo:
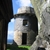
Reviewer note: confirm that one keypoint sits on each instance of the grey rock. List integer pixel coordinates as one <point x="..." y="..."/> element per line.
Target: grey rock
<point x="43" y="37"/>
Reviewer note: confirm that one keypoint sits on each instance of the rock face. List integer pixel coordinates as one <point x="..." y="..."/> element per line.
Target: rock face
<point x="26" y="26"/>
<point x="43" y="37"/>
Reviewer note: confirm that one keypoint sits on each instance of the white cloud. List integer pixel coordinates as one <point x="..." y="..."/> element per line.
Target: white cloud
<point x="12" y="20"/>
<point x="23" y="2"/>
<point x="10" y="34"/>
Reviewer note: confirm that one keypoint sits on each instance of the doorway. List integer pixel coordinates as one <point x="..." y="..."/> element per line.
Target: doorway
<point x="24" y="38"/>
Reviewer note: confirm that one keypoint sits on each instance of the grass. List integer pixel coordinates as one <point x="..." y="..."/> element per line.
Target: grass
<point x="14" y="47"/>
<point x="24" y="46"/>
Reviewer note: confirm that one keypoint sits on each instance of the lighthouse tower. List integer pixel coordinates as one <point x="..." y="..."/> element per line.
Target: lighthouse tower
<point x="26" y="26"/>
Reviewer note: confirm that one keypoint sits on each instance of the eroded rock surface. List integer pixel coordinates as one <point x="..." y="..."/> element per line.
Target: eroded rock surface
<point x="43" y="37"/>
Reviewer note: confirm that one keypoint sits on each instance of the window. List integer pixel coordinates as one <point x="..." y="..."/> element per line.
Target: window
<point x="25" y="22"/>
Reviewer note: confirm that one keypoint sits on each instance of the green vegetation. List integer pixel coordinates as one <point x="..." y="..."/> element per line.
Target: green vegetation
<point x="15" y="47"/>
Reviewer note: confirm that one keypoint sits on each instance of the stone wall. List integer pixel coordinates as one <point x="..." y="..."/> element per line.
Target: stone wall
<point x="18" y="37"/>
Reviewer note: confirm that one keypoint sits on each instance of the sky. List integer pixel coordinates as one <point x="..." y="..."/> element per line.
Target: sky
<point x="16" y="5"/>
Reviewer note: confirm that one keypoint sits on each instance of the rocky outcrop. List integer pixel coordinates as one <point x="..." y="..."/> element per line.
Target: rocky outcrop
<point x="43" y="37"/>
